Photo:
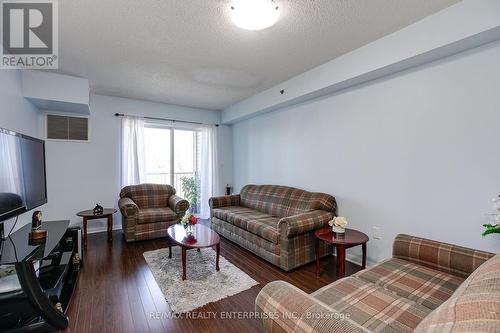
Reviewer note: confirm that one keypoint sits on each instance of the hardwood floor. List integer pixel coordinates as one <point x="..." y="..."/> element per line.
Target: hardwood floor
<point x="117" y="292"/>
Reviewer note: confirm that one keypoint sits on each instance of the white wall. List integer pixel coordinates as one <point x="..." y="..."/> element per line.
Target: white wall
<point x="55" y="87"/>
<point x="79" y="175"/>
<point x="416" y="152"/>
<point x="16" y="114"/>
<point x="48" y="90"/>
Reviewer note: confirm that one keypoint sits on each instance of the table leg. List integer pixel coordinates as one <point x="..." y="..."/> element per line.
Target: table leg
<point x="183" y="263"/>
<point x="110" y="227"/>
<point x="169" y="252"/>
<point x="84" y="232"/>
<point x="363" y="264"/>
<point x="217" y="248"/>
<point x="341" y="258"/>
<point x="318" y="267"/>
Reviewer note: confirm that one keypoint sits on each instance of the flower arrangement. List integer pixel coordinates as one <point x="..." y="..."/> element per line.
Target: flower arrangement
<point x="496" y="204"/>
<point x="188" y="221"/>
<point x="491" y="229"/>
<point x="338" y="224"/>
<point x="494" y="228"/>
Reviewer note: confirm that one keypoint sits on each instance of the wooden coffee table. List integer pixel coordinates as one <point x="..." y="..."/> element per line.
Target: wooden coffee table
<point x="89" y="215"/>
<point x="201" y="238"/>
<point x="341" y="242"/>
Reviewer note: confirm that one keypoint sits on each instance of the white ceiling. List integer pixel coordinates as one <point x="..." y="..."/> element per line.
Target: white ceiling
<point x="188" y="52"/>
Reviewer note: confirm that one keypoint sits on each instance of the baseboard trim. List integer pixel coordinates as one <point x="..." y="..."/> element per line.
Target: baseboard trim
<point x="348" y="257"/>
<point x="102" y="229"/>
<point x="357" y="260"/>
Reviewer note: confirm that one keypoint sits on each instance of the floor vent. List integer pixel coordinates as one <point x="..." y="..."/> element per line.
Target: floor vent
<point x="66" y="128"/>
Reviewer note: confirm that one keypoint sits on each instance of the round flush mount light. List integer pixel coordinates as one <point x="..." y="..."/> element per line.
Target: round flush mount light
<point x="254" y="14"/>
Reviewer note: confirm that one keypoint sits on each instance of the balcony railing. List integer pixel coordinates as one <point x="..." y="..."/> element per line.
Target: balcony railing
<point x="164" y="178"/>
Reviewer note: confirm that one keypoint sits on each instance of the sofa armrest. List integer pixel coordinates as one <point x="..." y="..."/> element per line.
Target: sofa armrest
<point x="178" y="204"/>
<point x="302" y="223"/>
<point x="128" y="207"/>
<point x="224" y="201"/>
<point x="282" y="307"/>
<point x="449" y="258"/>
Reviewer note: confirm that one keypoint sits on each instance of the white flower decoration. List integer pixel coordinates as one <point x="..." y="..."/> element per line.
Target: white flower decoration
<point x="338" y="221"/>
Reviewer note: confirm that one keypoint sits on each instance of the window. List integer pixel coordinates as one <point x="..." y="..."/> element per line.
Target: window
<point x="172" y="156"/>
<point x="157" y="154"/>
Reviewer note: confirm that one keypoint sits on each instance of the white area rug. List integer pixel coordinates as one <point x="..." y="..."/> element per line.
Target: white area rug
<point x="203" y="285"/>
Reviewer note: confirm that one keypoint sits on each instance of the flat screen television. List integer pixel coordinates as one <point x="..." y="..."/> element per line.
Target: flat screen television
<point x="22" y="174"/>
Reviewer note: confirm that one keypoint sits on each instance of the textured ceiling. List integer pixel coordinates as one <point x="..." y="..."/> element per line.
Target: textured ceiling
<point x="188" y="52"/>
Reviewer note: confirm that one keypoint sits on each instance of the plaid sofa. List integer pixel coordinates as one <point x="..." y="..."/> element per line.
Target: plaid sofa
<point x="275" y="222"/>
<point x="148" y="210"/>
<point x="426" y="286"/>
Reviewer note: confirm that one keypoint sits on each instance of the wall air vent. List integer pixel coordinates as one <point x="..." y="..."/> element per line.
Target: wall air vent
<point x="66" y="128"/>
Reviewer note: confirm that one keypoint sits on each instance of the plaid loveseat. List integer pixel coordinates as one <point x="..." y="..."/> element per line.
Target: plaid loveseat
<point x="275" y="222"/>
<point x="427" y="286"/>
<point x="148" y="210"/>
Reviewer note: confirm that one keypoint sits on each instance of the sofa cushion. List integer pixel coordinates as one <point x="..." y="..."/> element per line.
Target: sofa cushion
<point x="372" y="306"/>
<point x="260" y="224"/>
<point x="151" y="230"/>
<point x="238" y="215"/>
<point x="474" y="307"/>
<point x="148" y="195"/>
<point x="152" y="215"/>
<point x="423" y="285"/>
<point x="246" y="237"/>
<point x="284" y="201"/>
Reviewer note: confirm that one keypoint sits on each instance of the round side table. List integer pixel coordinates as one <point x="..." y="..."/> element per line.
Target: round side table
<point x="341" y="242"/>
<point x="89" y="215"/>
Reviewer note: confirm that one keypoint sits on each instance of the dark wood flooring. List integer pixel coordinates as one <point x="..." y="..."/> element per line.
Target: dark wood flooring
<point x="117" y="292"/>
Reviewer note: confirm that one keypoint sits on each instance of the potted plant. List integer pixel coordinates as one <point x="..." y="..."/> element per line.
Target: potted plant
<point x="190" y="188"/>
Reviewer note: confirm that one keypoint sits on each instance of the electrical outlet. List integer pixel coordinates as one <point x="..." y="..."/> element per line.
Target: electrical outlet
<point x="377" y="234"/>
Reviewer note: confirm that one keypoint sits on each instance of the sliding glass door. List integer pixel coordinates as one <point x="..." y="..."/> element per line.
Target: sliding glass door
<point x="172" y="156"/>
<point x="157" y="153"/>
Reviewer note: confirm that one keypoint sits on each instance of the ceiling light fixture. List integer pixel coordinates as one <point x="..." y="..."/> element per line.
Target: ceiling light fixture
<point x="254" y="14"/>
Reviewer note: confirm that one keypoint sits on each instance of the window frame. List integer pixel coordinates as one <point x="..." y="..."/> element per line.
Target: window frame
<point x="173" y="128"/>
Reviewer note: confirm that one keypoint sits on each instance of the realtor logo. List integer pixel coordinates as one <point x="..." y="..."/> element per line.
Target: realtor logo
<point x="29" y="34"/>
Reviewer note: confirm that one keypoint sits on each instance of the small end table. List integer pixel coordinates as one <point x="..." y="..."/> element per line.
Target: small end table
<point x="89" y="215"/>
<point x="202" y="237"/>
<point x="341" y="242"/>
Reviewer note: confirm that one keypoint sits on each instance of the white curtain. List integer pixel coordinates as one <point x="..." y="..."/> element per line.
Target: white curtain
<point x="133" y="158"/>
<point x="209" y="170"/>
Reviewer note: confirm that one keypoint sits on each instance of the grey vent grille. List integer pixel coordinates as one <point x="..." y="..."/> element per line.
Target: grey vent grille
<point x="67" y="128"/>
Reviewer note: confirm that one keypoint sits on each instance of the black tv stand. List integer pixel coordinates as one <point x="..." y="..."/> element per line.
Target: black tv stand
<point x="46" y="275"/>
